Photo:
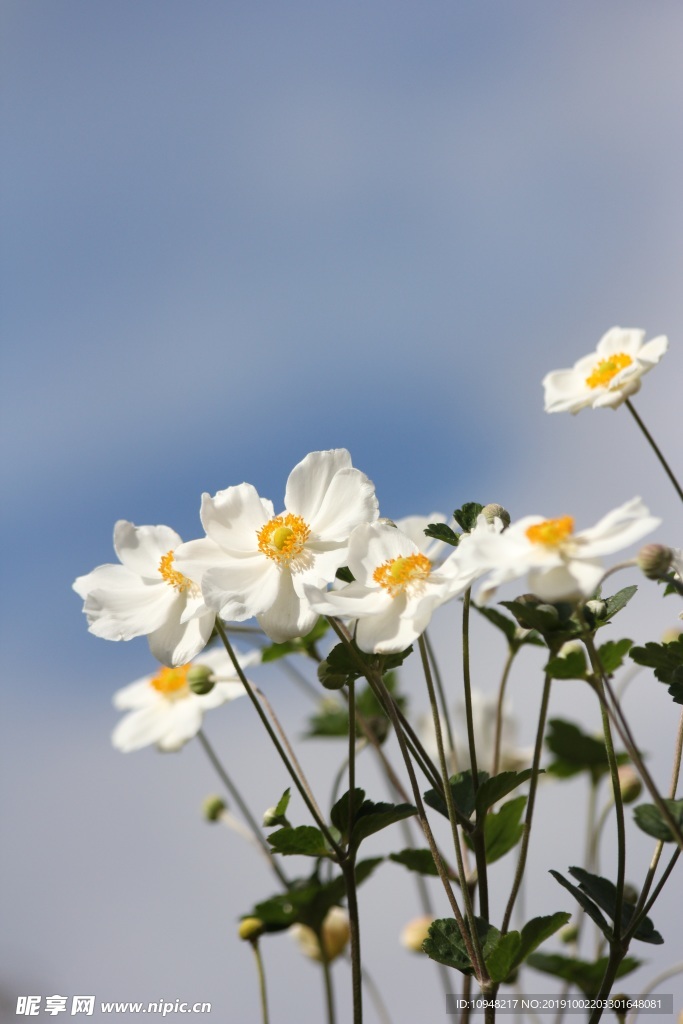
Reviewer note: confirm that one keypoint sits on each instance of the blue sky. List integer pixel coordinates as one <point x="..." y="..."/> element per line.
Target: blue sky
<point x="235" y="233"/>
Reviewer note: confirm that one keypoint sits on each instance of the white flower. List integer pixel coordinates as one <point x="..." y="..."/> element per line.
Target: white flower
<point x="608" y="376"/>
<point x="395" y="591"/>
<point x="415" y="526"/>
<point x="165" y="711"/>
<point x="561" y="565"/>
<point x="253" y="562"/>
<point x="147" y="596"/>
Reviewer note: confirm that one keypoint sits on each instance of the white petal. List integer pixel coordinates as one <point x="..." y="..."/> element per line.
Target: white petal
<point x="196" y="557"/>
<point x="620" y="339"/>
<point x="139" y="729"/>
<point x="242" y="587"/>
<point x="310" y="480"/>
<point x="415" y="526"/>
<point x="388" y="632"/>
<point x="566" y="391"/>
<point x="221" y="693"/>
<point x="618" y="529"/>
<point x="182" y="723"/>
<point x="373" y="544"/>
<point x="352" y="601"/>
<point x="136" y="695"/>
<point x="653" y="350"/>
<point x="176" y="644"/>
<point x="141" y="548"/>
<point x="126" y="607"/>
<point x="289" y="616"/>
<point x="233" y="518"/>
<point x="564" y="582"/>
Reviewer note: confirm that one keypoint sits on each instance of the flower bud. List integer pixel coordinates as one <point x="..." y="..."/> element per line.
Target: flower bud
<point x="629" y="783"/>
<point x="330" y="679"/>
<point x="570" y="647"/>
<point x="569" y="933"/>
<point x="335" y="935"/>
<point x="494" y="511"/>
<point x="654" y="560"/>
<point x="250" y="928"/>
<point x="549" y="609"/>
<point x="213" y="807"/>
<point x="200" y="679"/>
<point x="415" y="932"/>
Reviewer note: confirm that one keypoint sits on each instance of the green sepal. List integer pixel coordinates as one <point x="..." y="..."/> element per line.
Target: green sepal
<point x="649" y="819"/>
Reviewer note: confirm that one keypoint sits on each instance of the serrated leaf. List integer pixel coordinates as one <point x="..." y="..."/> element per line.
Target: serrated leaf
<point x="373" y="817"/>
<point x="494" y="789"/>
<point x="301" y="645"/>
<point x="445" y="945"/>
<point x="604" y="893"/>
<point x="538" y="930"/>
<point x="571" y="666"/>
<point x="420" y="861"/>
<point x="305" y="840"/>
<point x="462" y="789"/>
<point x="649" y="818"/>
<point x="586" y="975"/>
<point x="466" y="517"/>
<point x="501" y="960"/>
<point x="502" y="829"/>
<point x="667" y="661"/>
<point x="583" y="900"/>
<point x="575" y="750"/>
<point x="612" y="654"/>
<point x="618" y="601"/>
<point x="440" y="531"/>
<point x="339" y="815"/>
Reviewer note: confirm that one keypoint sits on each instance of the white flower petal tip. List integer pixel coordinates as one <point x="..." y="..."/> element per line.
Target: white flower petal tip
<point x="606" y="377"/>
<point x="254" y="563"/>
<point x="146" y="595"/>
<point x="561" y="565"/>
<point x="164" y="711"/>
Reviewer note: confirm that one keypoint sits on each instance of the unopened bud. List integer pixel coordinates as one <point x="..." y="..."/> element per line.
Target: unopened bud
<point x="330" y="679"/>
<point x="415" y="933"/>
<point x="654" y="560"/>
<point x="494" y="511"/>
<point x="569" y="933"/>
<point x="570" y="647"/>
<point x="629" y="784"/>
<point x="250" y="928"/>
<point x="597" y="608"/>
<point x="213" y="807"/>
<point x="549" y="609"/>
<point x="200" y="679"/>
<point x="336" y="932"/>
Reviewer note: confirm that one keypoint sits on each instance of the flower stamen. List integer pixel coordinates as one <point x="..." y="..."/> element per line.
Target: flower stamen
<point x="400" y="574"/>
<point x="171" y="682"/>
<point x="283" y="538"/>
<point x="551" y="532"/>
<point x="172" y="576"/>
<point x="606" y="369"/>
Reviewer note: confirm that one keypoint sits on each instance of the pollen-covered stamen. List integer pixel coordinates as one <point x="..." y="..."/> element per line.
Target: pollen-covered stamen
<point x="171" y="682"/>
<point x="172" y="576"/>
<point x="606" y="369"/>
<point x="404" y="573"/>
<point x="551" y="532"/>
<point x="283" y="538"/>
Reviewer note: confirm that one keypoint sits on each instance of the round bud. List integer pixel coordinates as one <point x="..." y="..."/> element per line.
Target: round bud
<point x="330" y="679"/>
<point x="336" y="932"/>
<point x="415" y="933"/>
<point x="629" y="783"/>
<point x="654" y="560"/>
<point x="271" y="818"/>
<point x="200" y="679"/>
<point x="494" y="511"/>
<point x="550" y="610"/>
<point x="250" y="928"/>
<point x="213" y="807"/>
<point x="596" y="608"/>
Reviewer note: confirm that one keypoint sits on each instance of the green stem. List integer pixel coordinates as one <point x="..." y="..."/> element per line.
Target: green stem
<point x="521" y="861"/>
<point x="298" y="782"/>
<point x="261" y="981"/>
<point x="442" y="700"/>
<point x="327" y="977"/>
<point x="352" y="754"/>
<point x="512" y="651"/>
<point x="237" y="797"/>
<point x="468" y="687"/>
<point x="349" y="870"/>
<point x="655" y="448"/>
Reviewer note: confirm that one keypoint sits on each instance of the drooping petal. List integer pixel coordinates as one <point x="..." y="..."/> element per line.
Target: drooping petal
<point x="175" y="643"/>
<point x="288" y="616"/>
<point x="119" y="605"/>
<point x="141" y="548"/>
<point x="620" y="528"/>
<point x="139" y="694"/>
<point x="566" y="582"/>
<point x="387" y="632"/>
<point x="352" y="601"/>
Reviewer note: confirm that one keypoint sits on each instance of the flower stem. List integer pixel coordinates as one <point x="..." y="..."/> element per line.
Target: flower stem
<point x="442" y="701"/>
<point x="468" y="686"/>
<point x="327" y="977"/>
<point x="237" y="797"/>
<point x="655" y="448"/>
<point x="512" y="651"/>
<point x="261" y="981"/>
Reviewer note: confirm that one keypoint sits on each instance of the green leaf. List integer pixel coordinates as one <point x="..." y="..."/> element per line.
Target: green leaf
<point x="278" y="815"/>
<point x="575" y="750"/>
<point x="302" y="645"/>
<point x="440" y="531"/>
<point x="604" y="893"/>
<point x="502" y="622"/>
<point x="587" y="904"/>
<point x="305" y="840"/>
<point x="335" y="891"/>
<point x="332" y="719"/>
<point x="649" y="818"/>
<point x="420" y="861"/>
<point x="445" y="944"/>
<point x="615" y="603"/>
<point x="570" y="666"/>
<point x="586" y="975"/>
<point x="540" y="617"/>
<point x="612" y="654"/>
<point x="667" y="661"/>
<point x="466" y="517"/>
<point x="462" y="788"/>
<point x="494" y="789"/>
<point x="344" y="574"/>
<point x="502" y="829"/>
<point x="339" y="815"/>
<point x="537" y="931"/>
<point x="373" y="817"/>
<point x="503" y="957"/>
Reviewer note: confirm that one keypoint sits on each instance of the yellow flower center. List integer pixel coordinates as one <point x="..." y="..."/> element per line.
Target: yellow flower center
<point x="171" y="682"/>
<point x="172" y="576"/>
<point x="399" y="574"/>
<point x="551" y="532"/>
<point x="283" y="538"/>
<point x="606" y="369"/>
